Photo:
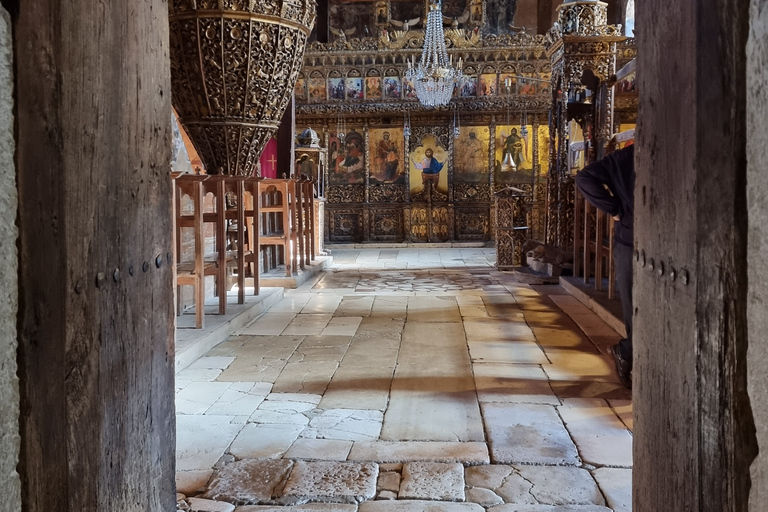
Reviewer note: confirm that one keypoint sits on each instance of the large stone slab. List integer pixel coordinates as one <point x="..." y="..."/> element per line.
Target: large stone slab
<point x="600" y="435"/>
<point x="344" y="424"/>
<point x="322" y="303"/>
<point x="197" y="397"/>
<point x="432" y="481"/>
<point x="342" y="326"/>
<point x="623" y="409"/>
<point x="309" y="507"/>
<point x="497" y="329"/>
<point x="389" y="307"/>
<point x="319" y="449"/>
<point x="513" y="383"/>
<point x="433" y="310"/>
<point x="561" y="485"/>
<point x="346" y="482"/>
<point x="238" y="400"/>
<point x="269" y="323"/>
<point x="487" y="476"/>
<point x="192" y="482"/>
<point x="264" y="441"/>
<point x="310" y="378"/>
<point x="201" y="505"/>
<point x="202" y="440"/>
<point x="248" y="482"/>
<point x="307" y="324"/>
<point x="418" y="506"/>
<point x="549" y="508"/>
<point x="383" y="452"/>
<point x="528" y="434"/>
<point x="433" y="394"/>
<point x="355" y="306"/>
<point x="359" y="387"/>
<point x="616" y="485"/>
<point x="484" y="497"/>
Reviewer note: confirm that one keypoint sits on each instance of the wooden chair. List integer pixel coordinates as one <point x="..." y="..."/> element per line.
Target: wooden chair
<point x="191" y="272"/>
<point x="252" y="245"/>
<point x="277" y="226"/>
<point x="308" y="208"/>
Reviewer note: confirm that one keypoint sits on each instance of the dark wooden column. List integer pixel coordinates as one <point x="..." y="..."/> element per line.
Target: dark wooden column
<point x="321" y="30"/>
<point x="694" y="434"/>
<point x="96" y="349"/>
<point x="286" y="134"/>
<point x="545" y="20"/>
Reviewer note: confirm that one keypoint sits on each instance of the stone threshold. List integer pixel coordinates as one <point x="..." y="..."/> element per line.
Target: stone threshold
<point x="609" y="310"/>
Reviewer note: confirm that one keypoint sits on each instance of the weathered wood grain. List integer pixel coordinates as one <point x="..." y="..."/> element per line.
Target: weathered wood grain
<point x="694" y="435"/>
<point x="96" y="339"/>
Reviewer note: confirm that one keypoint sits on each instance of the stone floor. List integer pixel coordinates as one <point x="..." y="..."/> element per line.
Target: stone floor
<point x="409" y="380"/>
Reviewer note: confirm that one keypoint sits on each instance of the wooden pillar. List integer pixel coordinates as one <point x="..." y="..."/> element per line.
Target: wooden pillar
<point x="96" y="351"/>
<point x="545" y="19"/>
<point x="322" y="24"/>
<point x="694" y="432"/>
<point x="286" y="134"/>
<point x="757" y="203"/>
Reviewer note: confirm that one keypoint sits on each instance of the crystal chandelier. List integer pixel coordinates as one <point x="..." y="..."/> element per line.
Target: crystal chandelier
<point x="435" y="77"/>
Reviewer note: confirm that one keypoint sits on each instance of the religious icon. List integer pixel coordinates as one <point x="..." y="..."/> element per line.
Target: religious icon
<point x="346" y="159"/>
<point x="469" y="88"/>
<point x="386" y="153"/>
<point x="487" y="85"/>
<point x="317" y="89"/>
<point x="373" y="87"/>
<point x="381" y="13"/>
<point x="305" y="166"/>
<point x="336" y="88"/>
<point x="526" y="87"/>
<point x="354" y="87"/>
<point x="471" y="154"/>
<point x="427" y="162"/>
<point x="392" y="87"/>
<point x="300" y="89"/>
<point x="409" y="91"/>
<point x="516" y="145"/>
<point x="507" y="84"/>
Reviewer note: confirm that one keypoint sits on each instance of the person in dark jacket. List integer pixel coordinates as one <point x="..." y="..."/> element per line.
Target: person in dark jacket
<point x="617" y="172"/>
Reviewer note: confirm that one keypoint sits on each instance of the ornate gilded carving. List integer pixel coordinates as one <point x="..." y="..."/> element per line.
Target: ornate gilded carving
<point x="471" y="192"/>
<point x="233" y="70"/>
<point x="344" y="225"/>
<point x="346" y="193"/>
<point x="472" y="223"/>
<point x="386" y="193"/>
<point x="386" y="225"/>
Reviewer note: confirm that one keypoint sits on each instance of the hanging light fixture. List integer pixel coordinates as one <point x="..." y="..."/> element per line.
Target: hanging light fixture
<point x="456" y="123"/>
<point x="434" y="78"/>
<point x="341" y="128"/>
<point x="407" y="124"/>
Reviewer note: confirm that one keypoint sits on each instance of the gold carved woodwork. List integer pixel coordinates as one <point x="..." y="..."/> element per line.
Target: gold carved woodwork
<point x="233" y="69"/>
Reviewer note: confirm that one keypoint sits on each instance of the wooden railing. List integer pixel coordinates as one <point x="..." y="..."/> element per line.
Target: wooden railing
<point x="593" y="245"/>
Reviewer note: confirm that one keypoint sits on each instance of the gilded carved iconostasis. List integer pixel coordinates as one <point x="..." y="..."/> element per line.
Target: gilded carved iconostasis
<point x="398" y="171"/>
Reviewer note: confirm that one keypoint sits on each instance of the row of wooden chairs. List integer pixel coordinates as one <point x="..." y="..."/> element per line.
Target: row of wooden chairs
<point x="249" y="218"/>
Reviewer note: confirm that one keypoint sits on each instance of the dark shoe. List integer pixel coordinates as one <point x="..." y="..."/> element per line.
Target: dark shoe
<point x="623" y="367"/>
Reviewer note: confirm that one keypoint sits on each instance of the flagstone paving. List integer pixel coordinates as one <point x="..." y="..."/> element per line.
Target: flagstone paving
<point x="409" y="380"/>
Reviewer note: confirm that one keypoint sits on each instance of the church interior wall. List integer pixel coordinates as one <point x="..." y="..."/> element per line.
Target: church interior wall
<point x="9" y="385"/>
<point x="527" y="15"/>
<point x="757" y="199"/>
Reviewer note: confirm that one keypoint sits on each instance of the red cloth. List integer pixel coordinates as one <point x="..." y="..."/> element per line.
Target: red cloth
<point x="269" y="159"/>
